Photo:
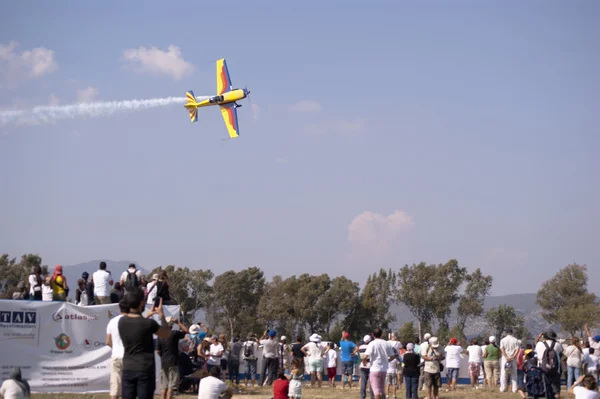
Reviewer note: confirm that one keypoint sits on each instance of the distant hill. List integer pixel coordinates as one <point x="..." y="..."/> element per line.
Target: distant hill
<point x="524" y="304"/>
<point x="73" y="272"/>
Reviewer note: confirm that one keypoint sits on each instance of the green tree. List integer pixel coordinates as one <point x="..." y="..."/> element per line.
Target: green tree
<point x="189" y="288"/>
<point x="311" y="290"/>
<point x="407" y="332"/>
<point x="502" y="318"/>
<point x="470" y="304"/>
<point x="235" y="300"/>
<point x="13" y="272"/>
<point x="565" y="300"/>
<point x="276" y="307"/>
<point x="336" y="302"/>
<point x="448" y="278"/>
<point x="415" y="288"/>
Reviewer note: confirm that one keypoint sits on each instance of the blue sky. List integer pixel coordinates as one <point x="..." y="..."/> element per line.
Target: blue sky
<point x="378" y="134"/>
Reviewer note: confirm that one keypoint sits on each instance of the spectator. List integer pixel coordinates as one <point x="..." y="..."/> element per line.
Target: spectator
<point x="113" y="340"/>
<point x="509" y="348"/>
<point x="15" y="387"/>
<point x="102" y="281"/>
<point x="588" y="388"/>
<point x="36" y="279"/>
<point x="491" y="356"/>
<point x="168" y="350"/>
<point x="216" y="352"/>
<point x="315" y="359"/>
<point x="348" y="349"/>
<point x="249" y="356"/>
<point x="297" y="375"/>
<point x="411" y="371"/>
<point x="574" y="355"/>
<point x="139" y="375"/>
<point x="475" y="360"/>
<point x="151" y="288"/>
<point x="365" y="368"/>
<point x="47" y="291"/>
<point x="591" y="362"/>
<point x="284" y="353"/>
<point x="116" y="294"/>
<point x="60" y="289"/>
<point x="225" y="358"/>
<point x="545" y="341"/>
<point x="21" y="292"/>
<point x="433" y="358"/>
<point x="331" y="358"/>
<point x="453" y="355"/>
<point x="212" y="387"/>
<point x="423" y="349"/>
<point x="594" y="341"/>
<point x="89" y="288"/>
<point x="281" y="387"/>
<point x="521" y="368"/>
<point x="234" y="361"/>
<point x="270" y="368"/>
<point x="379" y="353"/>
<point x="81" y="298"/>
<point x="131" y="278"/>
<point x="297" y="352"/>
<point x="162" y="290"/>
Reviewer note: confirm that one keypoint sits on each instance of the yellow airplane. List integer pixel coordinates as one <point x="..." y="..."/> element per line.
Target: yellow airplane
<point x="226" y="99"/>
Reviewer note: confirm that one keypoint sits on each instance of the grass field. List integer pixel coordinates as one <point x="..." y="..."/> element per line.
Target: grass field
<point x="324" y="393"/>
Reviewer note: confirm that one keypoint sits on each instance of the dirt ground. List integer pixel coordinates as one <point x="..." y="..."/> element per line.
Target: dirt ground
<point x="324" y="393"/>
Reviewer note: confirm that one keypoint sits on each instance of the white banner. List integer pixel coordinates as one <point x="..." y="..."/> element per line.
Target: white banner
<point x="59" y="346"/>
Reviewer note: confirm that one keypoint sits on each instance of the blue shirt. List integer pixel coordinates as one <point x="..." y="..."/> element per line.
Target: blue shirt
<point x="347" y="349"/>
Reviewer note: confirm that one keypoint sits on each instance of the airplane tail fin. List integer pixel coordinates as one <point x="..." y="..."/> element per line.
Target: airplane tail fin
<point x="190" y="105"/>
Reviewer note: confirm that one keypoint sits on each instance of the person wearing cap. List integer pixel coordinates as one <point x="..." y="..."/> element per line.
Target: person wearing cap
<point x="365" y="367"/>
<point x="379" y="354"/>
<point x="270" y="358"/>
<point x="491" y="357"/>
<point x="545" y="340"/>
<point x="60" y="288"/>
<point x="433" y="358"/>
<point x="453" y="355"/>
<point x="283" y="354"/>
<point x="315" y="359"/>
<point x="594" y="341"/>
<point x="509" y="348"/>
<point x="349" y="349"/>
<point x="411" y="371"/>
<point x="423" y="349"/>
<point x="168" y="350"/>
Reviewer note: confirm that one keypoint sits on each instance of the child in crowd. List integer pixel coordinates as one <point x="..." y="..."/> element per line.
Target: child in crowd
<point x="331" y="359"/>
<point x="47" y="289"/>
<point x="391" y="378"/>
<point x="295" y="390"/>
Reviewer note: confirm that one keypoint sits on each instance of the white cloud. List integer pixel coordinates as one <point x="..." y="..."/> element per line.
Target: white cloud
<point x="86" y="95"/>
<point x="53" y="100"/>
<point x="343" y="126"/>
<point x="255" y="111"/>
<point x="155" y="61"/>
<point x="29" y="64"/>
<point x="306" y="106"/>
<point x="373" y="234"/>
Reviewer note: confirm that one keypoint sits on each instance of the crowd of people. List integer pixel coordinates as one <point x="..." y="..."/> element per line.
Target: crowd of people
<point x="99" y="288"/>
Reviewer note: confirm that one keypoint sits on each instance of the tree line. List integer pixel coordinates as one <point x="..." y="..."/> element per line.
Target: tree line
<point x="443" y="298"/>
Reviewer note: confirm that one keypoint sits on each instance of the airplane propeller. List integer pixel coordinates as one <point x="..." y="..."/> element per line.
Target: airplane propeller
<point x="248" y="93"/>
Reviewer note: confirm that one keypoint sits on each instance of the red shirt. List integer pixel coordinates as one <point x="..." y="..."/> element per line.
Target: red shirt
<point x="281" y="389"/>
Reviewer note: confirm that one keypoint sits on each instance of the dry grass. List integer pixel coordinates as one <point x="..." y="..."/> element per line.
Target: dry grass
<point x="323" y="393"/>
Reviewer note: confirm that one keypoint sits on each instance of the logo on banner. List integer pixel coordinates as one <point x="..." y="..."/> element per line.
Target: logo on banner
<point x="64" y="315"/>
<point x="62" y="342"/>
<point x="18" y="318"/>
<point x="89" y="345"/>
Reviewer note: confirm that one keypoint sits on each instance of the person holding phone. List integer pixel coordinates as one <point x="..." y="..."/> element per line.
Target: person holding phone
<point x="136" y="332"/>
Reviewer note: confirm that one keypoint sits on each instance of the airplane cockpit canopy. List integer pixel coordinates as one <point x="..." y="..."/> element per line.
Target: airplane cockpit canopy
<point x="216" y="99"/>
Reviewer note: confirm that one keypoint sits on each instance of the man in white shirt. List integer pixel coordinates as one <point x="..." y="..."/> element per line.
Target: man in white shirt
<point x="102" y="282"/>
<point x="509" y="347"/>
<point x="423" y="349"/>
<point x="136" y="277"/>
<point x="453" y="355"/>
<point x="113" y="339"/>
<point x="379" y="353"/>
<point x="215" y="353"/>
<point x="549" y="338"/>
<point x="152" y="288"/>
<point x="271" y="363"/>
<point x="212" y="387"/>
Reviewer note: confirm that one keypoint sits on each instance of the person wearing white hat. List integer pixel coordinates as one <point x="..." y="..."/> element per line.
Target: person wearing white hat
<point x="315" y="359"/>
<point x="284" y="354"/>
<point x="422" y="350"/>
<point x="433" y="358"/>
<point x="365" y="368"/>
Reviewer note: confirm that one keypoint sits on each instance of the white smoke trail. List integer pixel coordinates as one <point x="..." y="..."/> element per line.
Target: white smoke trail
<point x="49" y="114"/>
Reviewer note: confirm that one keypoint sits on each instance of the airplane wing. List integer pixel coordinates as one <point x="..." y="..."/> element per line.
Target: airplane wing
<point x="223" y="79"/>
<point x="229" y="113"/>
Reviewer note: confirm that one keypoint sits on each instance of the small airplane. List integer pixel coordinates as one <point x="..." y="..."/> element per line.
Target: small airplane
<point x="226" y="99"/>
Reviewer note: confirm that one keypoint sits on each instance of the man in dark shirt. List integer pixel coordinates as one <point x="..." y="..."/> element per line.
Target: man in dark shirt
<point x="234" y="360"/>
<point x="297" y="351"/>
<point x="139" y="376"/>
<point x="168" y="349"/>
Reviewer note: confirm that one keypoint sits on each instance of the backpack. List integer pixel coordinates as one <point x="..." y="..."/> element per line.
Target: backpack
<point x="550" y="359"/>
<point x="535" y="383"/>
<point x="248" y="350"/>
<point x="132" y="281"/>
